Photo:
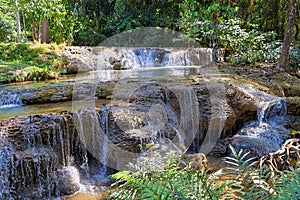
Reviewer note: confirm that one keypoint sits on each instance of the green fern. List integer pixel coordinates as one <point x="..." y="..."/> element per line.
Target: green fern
<point x="288" y="185"/>
<point x="240" y="168"/>
<point x="168" y="184"/>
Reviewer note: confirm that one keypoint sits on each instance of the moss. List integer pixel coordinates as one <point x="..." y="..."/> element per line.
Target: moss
<point x="293" y="104"/>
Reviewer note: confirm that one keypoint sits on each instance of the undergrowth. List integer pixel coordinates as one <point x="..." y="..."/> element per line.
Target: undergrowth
<point x="245" y="181"/>
<point x="29" y="61"/>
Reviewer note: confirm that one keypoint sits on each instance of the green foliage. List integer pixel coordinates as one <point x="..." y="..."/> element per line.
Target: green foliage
<point x="249" y="182"/>
<point x="245" y="181"/>
<point x="248" y="46"/>
<point x="7" y="22"/>
<point x="288" y="185"/>
<point x="217" y="24"/>
<point x="294" y="58"/>
<point x="61" y="20"/>
<point x="200" y="21"/>
<point x="103" y="19"/>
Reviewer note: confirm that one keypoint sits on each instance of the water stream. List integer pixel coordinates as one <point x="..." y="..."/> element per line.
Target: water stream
<point x="267" y="133"/>
<point x="43" y="154"/>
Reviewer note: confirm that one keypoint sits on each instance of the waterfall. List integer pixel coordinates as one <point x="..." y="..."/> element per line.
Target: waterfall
<point x="189" y="115"/>
<point x="196" y="57"/>
<point x="151" y="57"/>
<point x="8" y="100"/>
<point x="134" y="58"/>
<point x="92" y="127"/>
<point x="268" y="106"/>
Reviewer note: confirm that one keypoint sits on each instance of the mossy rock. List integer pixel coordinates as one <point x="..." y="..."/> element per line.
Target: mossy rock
<point x="293" y="105"/>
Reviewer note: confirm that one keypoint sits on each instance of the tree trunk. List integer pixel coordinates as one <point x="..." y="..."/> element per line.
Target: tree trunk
<point x="45" y="32"/>
<point x="283" y="60"/>
<point x="275" y="6"/>
<point x="24" y="26"/>
<point x="34" y="31"/>
<point x="18" y="21"/>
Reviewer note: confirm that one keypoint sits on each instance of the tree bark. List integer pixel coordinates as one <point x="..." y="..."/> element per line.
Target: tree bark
<point x="24" y="25"/>
<point x="45" y="32"/>
<point x="18" y="21"/>
<point x="34" y="31"/>
<point x="283" y="60"/>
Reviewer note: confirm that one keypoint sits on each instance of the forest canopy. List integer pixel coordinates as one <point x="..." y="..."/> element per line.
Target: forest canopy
<point x="250" y="31"/>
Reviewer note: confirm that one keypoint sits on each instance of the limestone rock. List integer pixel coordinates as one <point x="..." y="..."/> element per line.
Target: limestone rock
<point x="80" y="59"/>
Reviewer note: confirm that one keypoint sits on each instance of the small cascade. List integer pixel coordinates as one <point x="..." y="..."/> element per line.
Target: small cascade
<point x="267" y="133"/>
<point x="8" y="100"/>
<point x="104" y="152"/>
<point x="151" y="57"/>
<point x="189" y="115"/>
<point x="191" y="57"/>
<point x="32" y="150"/>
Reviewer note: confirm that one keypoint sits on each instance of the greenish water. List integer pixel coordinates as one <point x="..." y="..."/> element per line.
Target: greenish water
<point x="128" y="81"/>
<point x="25" y="110"/>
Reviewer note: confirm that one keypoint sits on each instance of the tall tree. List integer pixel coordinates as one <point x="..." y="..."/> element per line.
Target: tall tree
<point x="283" y="60"/>
<point x="18" y="21"/>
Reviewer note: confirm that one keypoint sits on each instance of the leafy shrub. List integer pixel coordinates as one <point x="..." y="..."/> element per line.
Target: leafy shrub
<point x="248" y="46"/>
<point x="7" y="28"/>
<point x="216" y="25"/>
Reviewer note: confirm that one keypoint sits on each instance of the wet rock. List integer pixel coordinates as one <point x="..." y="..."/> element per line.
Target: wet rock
<point x="55" y="93"/>
<point x="105" y="90"/>
<point x="277" y="90"/>
<point x="127" y="119"/>
<point x="292" y="122"/>
<point x="68" y="180"/>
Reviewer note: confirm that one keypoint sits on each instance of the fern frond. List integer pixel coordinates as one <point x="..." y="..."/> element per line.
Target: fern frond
<point x="288" y="185"/>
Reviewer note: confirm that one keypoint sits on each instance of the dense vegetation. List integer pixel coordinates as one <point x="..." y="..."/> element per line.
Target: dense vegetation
<point x="250" y="31"/>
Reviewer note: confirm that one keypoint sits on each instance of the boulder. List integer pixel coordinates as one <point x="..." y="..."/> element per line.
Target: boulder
<point x="68" y="180"/>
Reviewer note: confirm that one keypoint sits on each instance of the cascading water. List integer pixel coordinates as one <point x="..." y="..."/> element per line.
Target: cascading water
<point x="6" y="155"/>
<point x="267" y="133"/>
<point x="189" y="114"/>
<point x="121" y="58"/>
<point x="32" y="150"/>
<point x="92" y="127"/>
<point x="8" y="100"/>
